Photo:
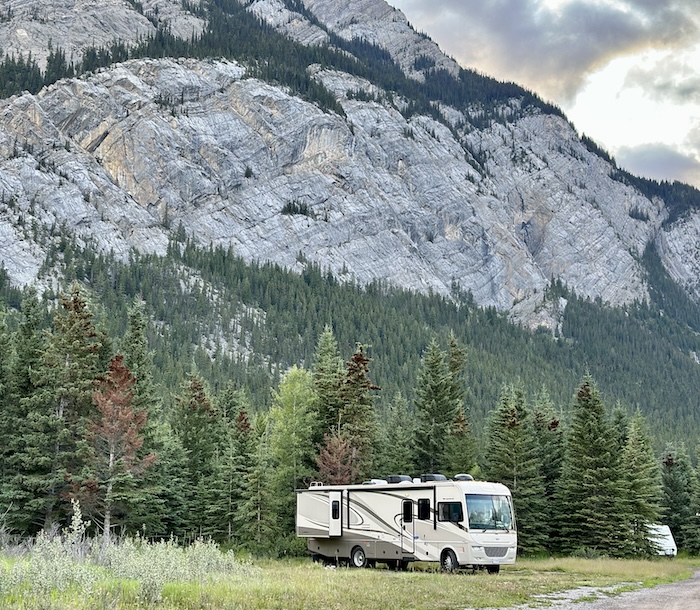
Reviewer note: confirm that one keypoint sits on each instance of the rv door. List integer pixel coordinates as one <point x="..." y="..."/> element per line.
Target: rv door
<point x="335" y="521"/>
<point x="408" y="528"/>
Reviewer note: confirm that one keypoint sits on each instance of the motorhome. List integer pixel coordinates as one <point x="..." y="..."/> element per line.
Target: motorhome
<point x="662" y="538"/>
<point x="458" y="523"/>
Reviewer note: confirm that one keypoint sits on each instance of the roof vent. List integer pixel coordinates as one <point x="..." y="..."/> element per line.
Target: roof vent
<point x="464" y="477"/>
<point x="424" y="478"/>
<point x="398" y="478"/>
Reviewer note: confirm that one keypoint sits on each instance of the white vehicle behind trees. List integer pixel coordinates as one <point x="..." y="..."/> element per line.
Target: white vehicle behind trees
<point x="662" y="538"/>
<point x="458" y="523"/>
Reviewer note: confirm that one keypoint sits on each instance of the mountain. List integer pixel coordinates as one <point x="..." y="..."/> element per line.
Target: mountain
<point x="317" y="131"/>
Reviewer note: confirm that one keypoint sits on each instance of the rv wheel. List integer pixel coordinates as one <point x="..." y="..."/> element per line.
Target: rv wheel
<point x="448" y="562"/>
<point x="493" y="569"/>
<point x="358" y="559"/>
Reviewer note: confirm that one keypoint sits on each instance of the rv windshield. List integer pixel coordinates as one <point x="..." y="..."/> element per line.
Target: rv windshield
<point x="489" y="512"/>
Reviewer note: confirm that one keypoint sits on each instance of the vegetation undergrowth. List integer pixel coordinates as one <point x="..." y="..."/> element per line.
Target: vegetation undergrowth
<point x="69" y="571"/>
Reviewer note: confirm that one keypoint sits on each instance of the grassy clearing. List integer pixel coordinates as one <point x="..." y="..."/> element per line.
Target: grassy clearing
<point x="161" y="576"/>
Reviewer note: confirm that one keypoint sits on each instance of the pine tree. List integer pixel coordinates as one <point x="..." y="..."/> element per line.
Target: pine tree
<point x="513" y="459"/>
<point x="255" y="519"/>
<point x="198" y="426"/>
<point x="397" y="438"/>
<point x="232" y="465"/>
<point x="5" y="390"/>
<point x="692" y="527"/>
<point x="116" y="438"/>
<point x="292" y="418"/>
<point x="549" y="435"/>
<point x="589" y="515"/>
<point x="15" y="430"/>
<point x="139" y="360"/>
<point x="436" y="410"/>
<point x="679" y="483"/>
<point x="336" y="462"/>
<point x="460" y="445"/>
<point x="460" y="448"/>
<point x="357" y="418"/>
<point x="641" y="479"/>
<point x="59" y="410"/>
<point x="328" y="379"/>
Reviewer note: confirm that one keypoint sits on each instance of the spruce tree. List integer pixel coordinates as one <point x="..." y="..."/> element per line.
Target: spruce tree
<point x="460" y="445"/>
<point x="641" y="485"/>
<point x="29" y="345"/>
<point x="328" y="379"/>
<point x="116" y="438"/>
<point x="5" y="388"/>
<point x="692" y="527"/>
<point x="589" y="515"/>
<point x="15" y="428"/>
<point x="397" y="434"/>
<point x="549" y="435"/>
<point x="232" y="465"/>
<point x="679" y="483"/>
<point x="292" y="418"/>
<point x="335" y="461"/>
<point x="255" y="518"/>
<point x="165" y="490"/>
<point x="198" y="426"/>
<point x="357" y="418"/>
<point x="512" y="458"/>
<point x="139" y="360"/>
<point x="436" y="410"/>
<point x="59" y="410"/>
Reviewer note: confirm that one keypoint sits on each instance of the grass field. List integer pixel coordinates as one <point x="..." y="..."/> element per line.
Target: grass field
<point x="138" y="575"/>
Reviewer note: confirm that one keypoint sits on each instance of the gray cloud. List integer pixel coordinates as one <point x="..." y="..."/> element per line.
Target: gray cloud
<point x="551" y="51"/>
<point x="668" y="80"/>
<point x="661" y="162"/>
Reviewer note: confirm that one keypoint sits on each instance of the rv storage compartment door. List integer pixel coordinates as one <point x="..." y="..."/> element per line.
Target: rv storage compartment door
<point x="335" y="522"/>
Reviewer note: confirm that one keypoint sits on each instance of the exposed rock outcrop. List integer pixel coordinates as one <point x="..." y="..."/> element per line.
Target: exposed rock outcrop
<point x="122" y="156"/>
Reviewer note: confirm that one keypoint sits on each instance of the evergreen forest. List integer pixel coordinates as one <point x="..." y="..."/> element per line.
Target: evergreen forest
<point x="190" y="394"/>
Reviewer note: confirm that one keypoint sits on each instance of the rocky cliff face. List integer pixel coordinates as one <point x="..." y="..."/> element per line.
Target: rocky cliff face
<point x="121" y="156"/>
<point x="35" y="26"/>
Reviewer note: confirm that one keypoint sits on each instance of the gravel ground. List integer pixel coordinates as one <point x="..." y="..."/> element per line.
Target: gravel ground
<point x="684" y="595"/>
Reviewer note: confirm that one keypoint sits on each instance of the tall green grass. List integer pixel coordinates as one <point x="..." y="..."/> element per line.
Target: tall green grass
<point x="69" y="571"/>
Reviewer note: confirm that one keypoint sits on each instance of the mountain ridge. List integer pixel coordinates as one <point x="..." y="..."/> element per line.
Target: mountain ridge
<point x="422" y="201"/>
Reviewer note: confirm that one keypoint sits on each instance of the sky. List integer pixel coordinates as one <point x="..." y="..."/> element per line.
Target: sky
<point x="625" y="72"/>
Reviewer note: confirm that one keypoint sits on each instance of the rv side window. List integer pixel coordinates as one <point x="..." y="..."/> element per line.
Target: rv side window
<point x="450" y="511"/>
<point x="407" y="511"/>
<point x="335" y="510"/>
<point x="424" y="509"/>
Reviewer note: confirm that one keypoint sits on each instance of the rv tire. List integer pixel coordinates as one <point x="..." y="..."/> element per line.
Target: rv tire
<point x="448" y="561"/>
<point x="358" y="558"/>
<point x="493" y="569"/>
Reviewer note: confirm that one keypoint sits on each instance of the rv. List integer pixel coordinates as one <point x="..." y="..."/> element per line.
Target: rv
<point x="458" y="523"/>
<point x="662" y="538"/>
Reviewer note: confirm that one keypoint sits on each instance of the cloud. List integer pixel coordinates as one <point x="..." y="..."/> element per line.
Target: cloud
<point x="551" y="48"/>
<point x="668" y="80"/>
<point x="660" y="162"/>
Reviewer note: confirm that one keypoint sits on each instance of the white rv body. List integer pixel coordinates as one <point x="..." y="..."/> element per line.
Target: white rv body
<point x="662" y="538"/>
<point x="456" y="523"/>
